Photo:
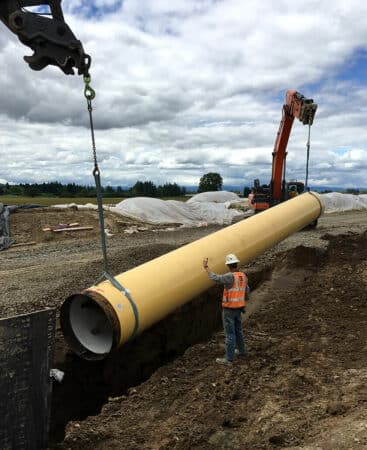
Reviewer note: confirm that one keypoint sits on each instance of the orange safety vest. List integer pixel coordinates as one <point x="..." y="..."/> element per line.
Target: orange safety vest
<point x="235" y="296"/>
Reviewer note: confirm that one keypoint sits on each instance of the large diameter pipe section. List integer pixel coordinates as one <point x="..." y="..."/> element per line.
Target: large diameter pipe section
<point x="102" y="317"/>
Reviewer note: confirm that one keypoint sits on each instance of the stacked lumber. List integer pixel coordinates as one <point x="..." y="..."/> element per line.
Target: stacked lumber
<point x="66" y="227"/>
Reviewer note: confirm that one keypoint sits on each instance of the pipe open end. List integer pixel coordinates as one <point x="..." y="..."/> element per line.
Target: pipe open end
<point x="87" y="326"/>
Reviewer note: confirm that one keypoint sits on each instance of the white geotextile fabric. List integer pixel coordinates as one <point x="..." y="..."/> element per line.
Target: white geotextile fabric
<point x="197" y="212"/>
<point x="215" y="196"/>
<point x="335" y="201"/>
<point x="156" y="211"/>
<point x="75" y="206"/>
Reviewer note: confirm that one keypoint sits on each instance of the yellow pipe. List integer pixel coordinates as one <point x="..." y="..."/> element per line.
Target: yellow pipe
<point x="102" y="318"/>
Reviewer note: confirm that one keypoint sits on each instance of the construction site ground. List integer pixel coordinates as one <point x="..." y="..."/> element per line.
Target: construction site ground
<point x="302" y="385"/>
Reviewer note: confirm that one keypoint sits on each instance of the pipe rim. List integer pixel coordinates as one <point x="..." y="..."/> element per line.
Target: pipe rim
<point x="319" y="199"/>
<point x="72" y="336"/>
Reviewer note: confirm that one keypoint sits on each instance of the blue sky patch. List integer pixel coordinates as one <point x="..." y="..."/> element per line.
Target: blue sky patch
<point x="87" y="9"/>
<point x="340" y="151"/>
<point x="42" y="9"/>
<point x="90" y="10"/>
<point x="354" y="68"/>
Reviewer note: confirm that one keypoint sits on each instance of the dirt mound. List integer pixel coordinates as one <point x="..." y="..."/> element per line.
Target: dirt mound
<point x="303" y="384"/>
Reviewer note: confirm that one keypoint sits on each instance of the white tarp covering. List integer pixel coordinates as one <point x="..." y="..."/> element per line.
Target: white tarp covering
<point x="208" y="208"/>
<point x="335" y="201"/>
<point x="87" y="206"/>
<point x="155" y="211"/>
<point x="215" y="196"/>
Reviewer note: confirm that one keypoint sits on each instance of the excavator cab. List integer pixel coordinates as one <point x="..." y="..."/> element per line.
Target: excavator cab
<point x="293" y="188"/>
<point x="259" y="197"/>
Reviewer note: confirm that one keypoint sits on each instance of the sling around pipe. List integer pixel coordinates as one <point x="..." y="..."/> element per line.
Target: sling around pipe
<point x="101" y="318"/>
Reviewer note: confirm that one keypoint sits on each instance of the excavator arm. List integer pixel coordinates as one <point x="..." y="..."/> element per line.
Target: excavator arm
<point x="296" y="106"/>
<point x="50" y="38"/>
<point x="264" y="196"/>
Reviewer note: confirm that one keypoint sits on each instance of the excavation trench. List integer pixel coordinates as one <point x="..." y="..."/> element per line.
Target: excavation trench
<point x="87" y="385"/>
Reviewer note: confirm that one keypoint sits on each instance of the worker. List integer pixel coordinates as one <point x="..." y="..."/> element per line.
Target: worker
<point x="233" y="305"/>
<point x="293" y="192"/>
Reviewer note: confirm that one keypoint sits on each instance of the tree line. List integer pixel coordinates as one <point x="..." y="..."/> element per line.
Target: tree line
<point x="56" y="189"/>
<point x="209" y="182"/>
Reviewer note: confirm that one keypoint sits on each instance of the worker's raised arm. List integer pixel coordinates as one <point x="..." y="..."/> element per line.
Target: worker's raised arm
<point x="226" y="279"/>
<point x="47" y="35"/>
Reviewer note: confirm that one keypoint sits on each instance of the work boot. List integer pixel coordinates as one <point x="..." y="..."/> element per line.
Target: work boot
<point x="223" y="361"/>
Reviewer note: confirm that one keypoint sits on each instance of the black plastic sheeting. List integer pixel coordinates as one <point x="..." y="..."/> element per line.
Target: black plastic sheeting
<point x="26" y="354"/>
<point x="5" y="239"/>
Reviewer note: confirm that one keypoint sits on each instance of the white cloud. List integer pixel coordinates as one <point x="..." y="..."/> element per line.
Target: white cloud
<point x="184" y="87"/>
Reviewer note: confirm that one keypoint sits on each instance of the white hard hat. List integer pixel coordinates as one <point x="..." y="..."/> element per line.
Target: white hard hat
<point x="232" y="259"/>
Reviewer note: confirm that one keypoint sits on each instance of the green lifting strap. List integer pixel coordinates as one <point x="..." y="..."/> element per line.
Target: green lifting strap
<point x="90" y="94"/>
<point x="308" y="156"/>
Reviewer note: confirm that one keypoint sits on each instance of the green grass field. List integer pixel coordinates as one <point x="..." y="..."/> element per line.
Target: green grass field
<point x="48" y="201"/>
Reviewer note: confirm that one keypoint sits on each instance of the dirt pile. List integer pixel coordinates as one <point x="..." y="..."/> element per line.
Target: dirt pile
<point x="303" y="384"/>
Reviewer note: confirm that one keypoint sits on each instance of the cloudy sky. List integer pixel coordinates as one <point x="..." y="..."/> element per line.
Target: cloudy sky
<point x="186" y="87"/>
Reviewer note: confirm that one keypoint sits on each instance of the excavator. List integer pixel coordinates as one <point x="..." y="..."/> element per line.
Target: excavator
<point x="263" y="197"/>
<point x="44" y="30"/>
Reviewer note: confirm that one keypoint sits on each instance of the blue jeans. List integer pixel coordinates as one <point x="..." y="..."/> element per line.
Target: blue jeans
<point x="232" y="324"/>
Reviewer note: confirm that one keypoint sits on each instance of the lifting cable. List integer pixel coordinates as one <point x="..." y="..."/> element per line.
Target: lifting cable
<point x="90" y="94"/>
<point x="308" y="156"/>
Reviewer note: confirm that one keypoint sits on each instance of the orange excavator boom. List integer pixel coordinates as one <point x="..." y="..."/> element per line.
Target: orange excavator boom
<point x="264" y="196"/>
<point x="304" y="109"/>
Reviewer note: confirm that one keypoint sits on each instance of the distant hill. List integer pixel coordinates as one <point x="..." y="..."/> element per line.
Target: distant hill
<point x="312" y="188"/>
<point x="237" y="188"/>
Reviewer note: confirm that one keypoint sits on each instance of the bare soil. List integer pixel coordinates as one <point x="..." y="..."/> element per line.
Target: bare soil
<point x="302" y="385"/>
